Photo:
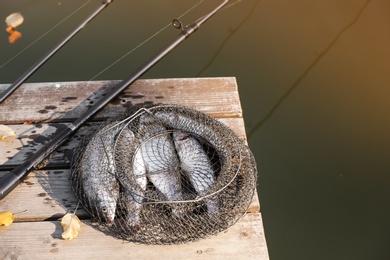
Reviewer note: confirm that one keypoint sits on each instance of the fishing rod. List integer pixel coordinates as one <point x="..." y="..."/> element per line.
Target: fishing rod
<point x="48" y="55"/>
<point x="14" y="177"/>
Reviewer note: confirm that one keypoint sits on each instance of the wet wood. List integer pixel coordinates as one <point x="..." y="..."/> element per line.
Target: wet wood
<point x="37" y="111"/>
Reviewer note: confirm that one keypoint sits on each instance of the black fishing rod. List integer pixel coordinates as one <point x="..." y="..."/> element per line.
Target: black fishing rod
<point x="14" y="177"/>
<point x="48" y="55"/>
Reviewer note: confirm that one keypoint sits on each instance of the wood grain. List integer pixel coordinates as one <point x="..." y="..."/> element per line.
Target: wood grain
<point x="65" y="101"/>
<point x="30" y="138"/>
<point x="244" y="240"/>
<point x="48" y="195"/>
<point x="37" y="111"/>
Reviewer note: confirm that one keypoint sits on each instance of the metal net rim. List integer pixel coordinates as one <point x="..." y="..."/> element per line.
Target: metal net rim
<point x="242" y="162"/>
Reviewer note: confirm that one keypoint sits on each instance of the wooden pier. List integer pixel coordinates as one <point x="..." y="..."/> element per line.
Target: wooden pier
<point x="36" y="111"/>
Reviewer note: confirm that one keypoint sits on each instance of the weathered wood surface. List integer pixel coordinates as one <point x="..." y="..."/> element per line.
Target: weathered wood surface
<point x="53" y="102"/>
<point x="40" y="183"/>
<point x="30" y="138"/>
<point x="244" y="240"/>
<point x="50" y="196"/>
<point x="44" y="108"/>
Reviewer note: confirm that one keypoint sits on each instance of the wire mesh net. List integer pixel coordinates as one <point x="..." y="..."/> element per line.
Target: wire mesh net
<point x="164" y="175"/>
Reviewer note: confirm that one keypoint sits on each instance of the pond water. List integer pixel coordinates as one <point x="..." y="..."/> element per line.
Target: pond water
<point x="313" y="78"/>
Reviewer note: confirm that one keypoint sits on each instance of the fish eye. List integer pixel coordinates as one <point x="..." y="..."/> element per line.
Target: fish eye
<point x="184" y="137"/>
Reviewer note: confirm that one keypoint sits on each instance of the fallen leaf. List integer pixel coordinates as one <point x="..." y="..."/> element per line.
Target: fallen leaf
<point x="10" y="29"/>
<point x="5" y="132"/>
<point x="14" y="36"/>
<point x="14" y="20"/>
<point x="28" y="122"/>
<point x="6" y="218"/>
<point x="71" y="225"/>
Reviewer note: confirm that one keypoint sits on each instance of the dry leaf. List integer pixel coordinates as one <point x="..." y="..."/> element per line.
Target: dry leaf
<point x="71" y="225"/>
<point x="5" y="132"/>
<point x="28" y="122"/>
<point x="14" y="20"/>
<point x="14" y="36"/>
<point x="6" y="218"/>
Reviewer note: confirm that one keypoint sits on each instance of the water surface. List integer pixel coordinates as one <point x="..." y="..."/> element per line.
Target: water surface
<point x="314" y="82"/>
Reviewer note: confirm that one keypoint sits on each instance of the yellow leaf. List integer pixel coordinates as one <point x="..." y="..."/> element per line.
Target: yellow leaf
<point x="6" y="218"/>
<point x="71" y="225"/>
<point x="5" y="132"/>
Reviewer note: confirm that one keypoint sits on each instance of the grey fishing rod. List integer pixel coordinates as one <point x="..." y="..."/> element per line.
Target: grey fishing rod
<point x="48" y="55"/>
<point x="14" y="177"/>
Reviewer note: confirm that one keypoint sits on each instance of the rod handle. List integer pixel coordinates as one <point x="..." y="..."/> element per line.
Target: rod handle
<point x="16" y="176"/>
<point x="8" y="183"/>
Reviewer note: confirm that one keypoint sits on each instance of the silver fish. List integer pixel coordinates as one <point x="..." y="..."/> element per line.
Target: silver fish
<point x="160" y="159"/>
<point x="190" y="124"/>
<point x="196" y="164"/>
<point x="98" y="173"/>
<point x="132" y="198"/>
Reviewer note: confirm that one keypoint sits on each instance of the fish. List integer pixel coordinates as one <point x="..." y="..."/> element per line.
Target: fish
<point x="196" y="164"/>
<point x="190" y="123"/>
<point x="132" y="165"/>
<point x="98" y="173"/>
<point x="161" y="161"/>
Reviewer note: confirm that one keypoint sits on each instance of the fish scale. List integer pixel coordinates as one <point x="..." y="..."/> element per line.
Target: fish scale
<point x="196" y="164"/>
<point x="98" y="173"/>
<point x="160" y="159"/>
<point x="182" y="175"/>
<point x="132" y="199"/>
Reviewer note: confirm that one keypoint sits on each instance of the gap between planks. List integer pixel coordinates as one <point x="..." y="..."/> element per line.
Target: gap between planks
<point x="48" y="195"/>
<point x="65" y="101"/>
<point x="244" y="240"/>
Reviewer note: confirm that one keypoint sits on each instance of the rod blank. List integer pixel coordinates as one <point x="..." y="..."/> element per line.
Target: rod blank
<point x="48" y="55"/>
<point x="14" y="177"/>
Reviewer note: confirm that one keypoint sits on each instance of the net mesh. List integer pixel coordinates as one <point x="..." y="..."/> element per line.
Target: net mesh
<point x="164" y="175"/>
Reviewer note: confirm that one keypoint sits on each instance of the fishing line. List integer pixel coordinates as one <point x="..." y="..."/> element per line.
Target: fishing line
<point x="258" y="125"/>
<point x="14" y="177"/>
<point x="43" y="35"/>
<point x="226" y="40"/>
<point x="228" y="6"/>
<point x="142" y="43"/>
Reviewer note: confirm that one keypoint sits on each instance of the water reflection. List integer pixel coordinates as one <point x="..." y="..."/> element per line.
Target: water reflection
<point x="307" y="71"/>
<point x="231" y="33"/>
<point x="322" y="147"/>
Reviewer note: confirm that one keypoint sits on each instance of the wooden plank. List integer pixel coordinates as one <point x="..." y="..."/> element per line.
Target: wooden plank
<point x="33" y="192"/>
<point x="48" y="195"/>
<point x="44" y="194"/>
<point x="65" y="101"/>
<point x="30" y="138"/>
<point x="42" y="240"/>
